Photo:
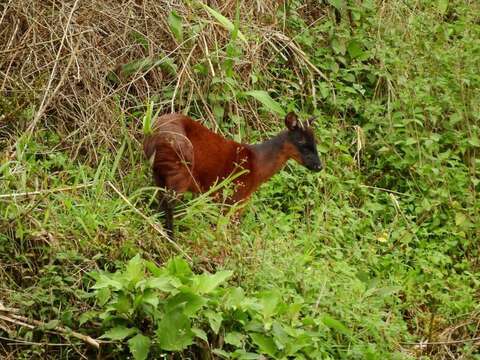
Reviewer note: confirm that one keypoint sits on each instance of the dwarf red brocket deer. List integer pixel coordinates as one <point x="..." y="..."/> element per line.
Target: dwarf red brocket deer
<point x="186" y="156"/>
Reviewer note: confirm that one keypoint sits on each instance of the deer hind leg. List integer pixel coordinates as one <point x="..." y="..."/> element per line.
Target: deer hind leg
<point x="166" y="201"/>
<point x="176" y="185"/>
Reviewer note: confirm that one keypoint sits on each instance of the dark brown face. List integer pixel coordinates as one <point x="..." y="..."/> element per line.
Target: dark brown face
<point x="302" y="138"/>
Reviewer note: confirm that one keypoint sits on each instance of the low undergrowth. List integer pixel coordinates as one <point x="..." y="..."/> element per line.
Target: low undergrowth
<point x="375" y="257"/>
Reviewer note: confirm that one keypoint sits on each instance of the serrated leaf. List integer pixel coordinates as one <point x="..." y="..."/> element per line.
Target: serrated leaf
<point x="119" y="333"/>
<point x="123" y="304"/>
<point x="338" y="46"/>
<point x="139" y="346"/>
<point x="135" y="270"/>
<point x="266" y="101"/>
<point x="265" y="344"/>
<point x="151" y="298"/>
<point x="105" y="281"/>
<point x="336" y="325"/>
<point x="214" y="320"/>
<point x="199" y="333"/>
<point x="87" y="316"/>
<point x="225" y="22"/>
<point x="103" y="295"/>
<point x="175" y="25"/>
<point x="206" y="283"/>
<point x="234" y="338"/>
<point x="174" y="332"/>
<point x="355" y="49"/>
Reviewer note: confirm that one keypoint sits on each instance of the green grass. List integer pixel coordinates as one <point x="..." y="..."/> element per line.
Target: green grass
<point x="376" y="253"/>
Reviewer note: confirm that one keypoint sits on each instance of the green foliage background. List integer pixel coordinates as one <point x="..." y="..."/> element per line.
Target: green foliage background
<point x="366" y="260"/>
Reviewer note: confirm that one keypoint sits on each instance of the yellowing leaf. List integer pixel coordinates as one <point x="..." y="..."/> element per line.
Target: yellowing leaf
<point x="225" y="22"/>
<point x="383" y="237"/>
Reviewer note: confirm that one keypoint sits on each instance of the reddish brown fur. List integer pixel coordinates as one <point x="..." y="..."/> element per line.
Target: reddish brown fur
<point x="190" y="157"/>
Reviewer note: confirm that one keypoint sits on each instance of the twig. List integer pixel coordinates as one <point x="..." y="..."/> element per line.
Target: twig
<point x="180" y="78"/>
<point x="448" y="342"/>
<point x="47" y="191"/>
<point x="16" y="322"/>
<point x="31" y="323"/>
<point x="383" y="189"/>
<point x="24" y="342"/>
<point x="151" y="223"/>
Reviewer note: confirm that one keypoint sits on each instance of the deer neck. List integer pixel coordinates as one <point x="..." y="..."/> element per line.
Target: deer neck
<point x="270" y="156"/>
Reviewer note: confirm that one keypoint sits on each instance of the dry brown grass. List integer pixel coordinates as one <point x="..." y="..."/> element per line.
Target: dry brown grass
<point x="57" y="60"/>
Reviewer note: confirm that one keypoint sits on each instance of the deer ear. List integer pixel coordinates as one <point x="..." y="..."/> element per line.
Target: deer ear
<point x="291" y="121"/>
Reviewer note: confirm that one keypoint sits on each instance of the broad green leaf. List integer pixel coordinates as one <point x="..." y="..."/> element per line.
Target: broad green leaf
<point x="338" y="46"/>
<point x="267" y="101"/>
<point x="103" y="295"/>
<point x="442" y="6"/>
<point x="123" y="304"/>
<point x="87" y="316"/>
<point x="206" y="283"/>
<point x="188" y="303"/>
<point x="269" y="301"/>
<point x="151" y="298"/>
<point x="135" y="270"/>
<point x="199" y="333"/>
<point x="175" y="25"/>
<point x="119" y="333"/>
<point x="460" y="219"/>
<point x="324" y="90"/>
<point x="164" y="283"/>
<point x="265" y="344"/>
<point x="234" y="338"/>
<point x="335" y="324"/>
<point x="214" y="319"/>
<point x="226" y="23"/>
<point x="234" y="298"/>
<point x="105" y="281"/>
<point x="355" y="49"/>
<point x="174" y="332"/>
<point x="139" y="346"/>
<point x="179" y="268"/>
<point x="337" y="4"/>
